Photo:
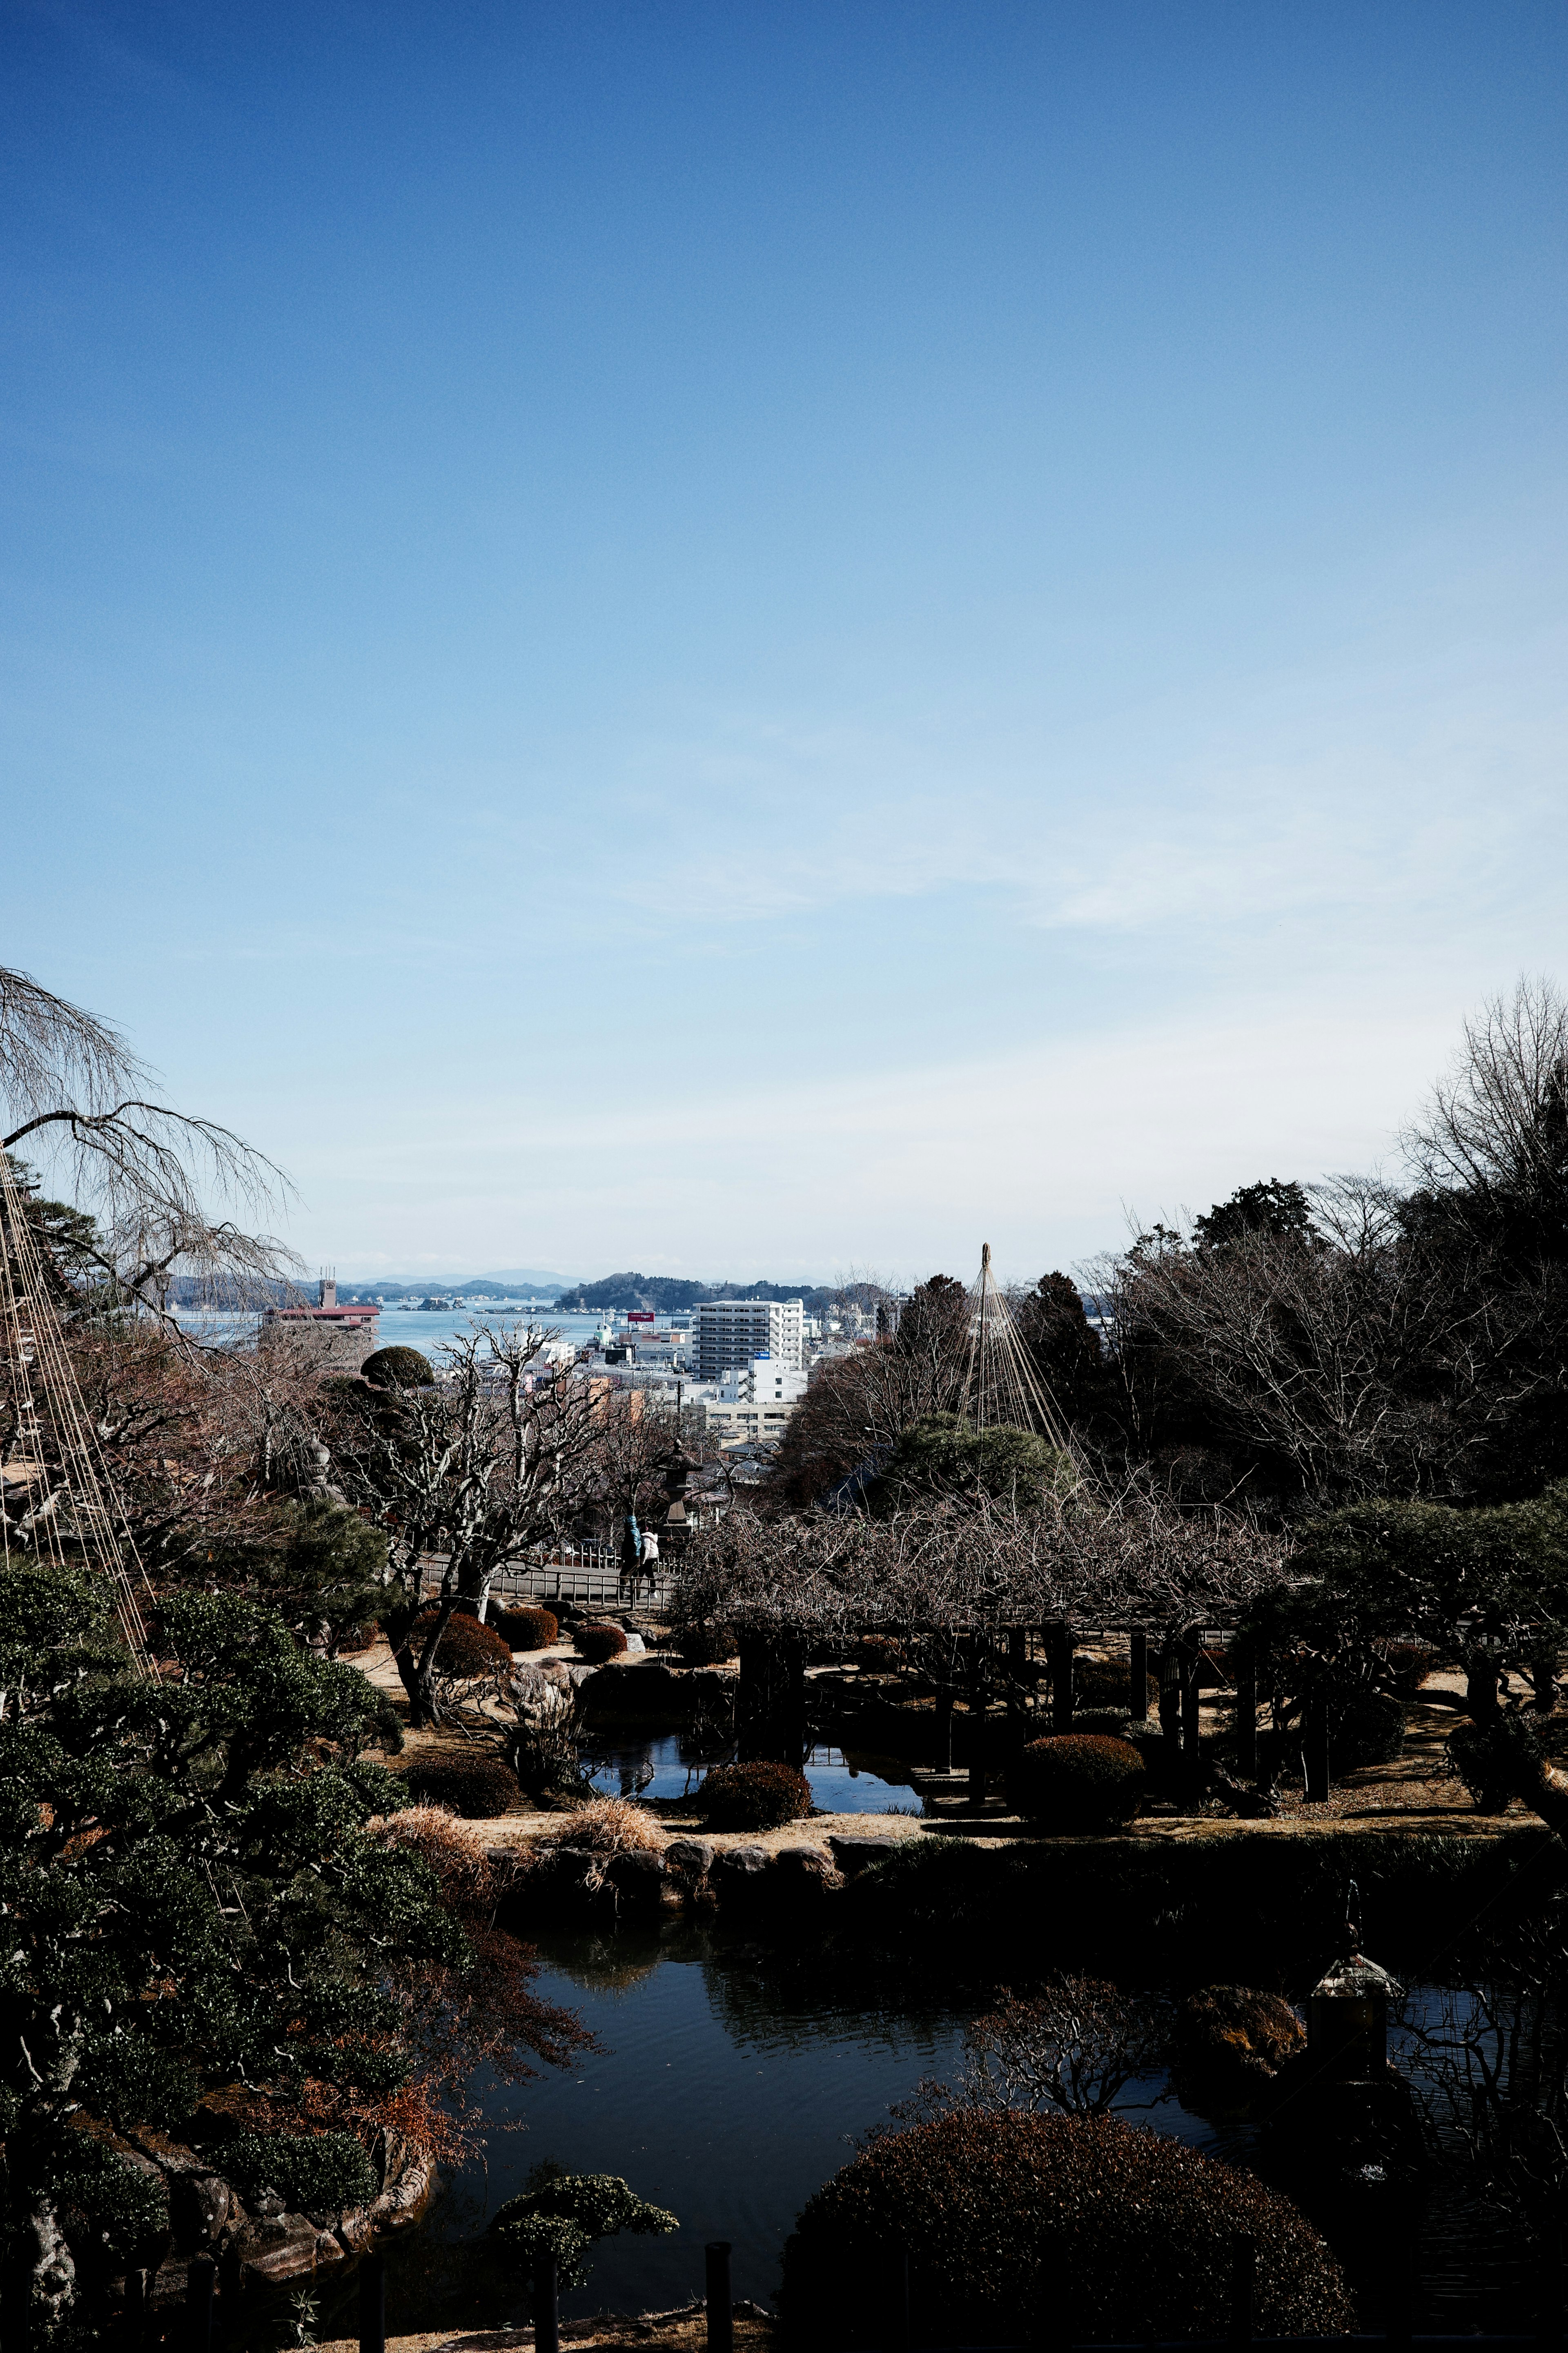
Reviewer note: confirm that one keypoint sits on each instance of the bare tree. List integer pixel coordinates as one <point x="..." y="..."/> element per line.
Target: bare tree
<point x="1074" y="2047"/>
<point x="1496" y="1126"/>
<point x="157" y="1181"/>
<point x="494" y="1458"/>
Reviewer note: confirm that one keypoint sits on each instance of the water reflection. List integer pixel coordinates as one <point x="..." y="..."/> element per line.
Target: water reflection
<point x="671" y="1764"/>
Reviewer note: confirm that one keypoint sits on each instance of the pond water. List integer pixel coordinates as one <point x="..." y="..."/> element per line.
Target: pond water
<point x="730" y="2087"/>
<point x="671" y="1765"/>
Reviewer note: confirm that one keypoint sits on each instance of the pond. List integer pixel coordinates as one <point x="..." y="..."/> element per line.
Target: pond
<point x="671" y="1765"/>
<point x="731" y="2087"/>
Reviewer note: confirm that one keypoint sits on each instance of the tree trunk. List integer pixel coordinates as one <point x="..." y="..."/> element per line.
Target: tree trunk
<point x="422" y="1708"/>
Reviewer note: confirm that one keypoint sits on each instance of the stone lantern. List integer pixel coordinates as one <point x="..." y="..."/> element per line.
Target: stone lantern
<point x="1347" y="2021"/>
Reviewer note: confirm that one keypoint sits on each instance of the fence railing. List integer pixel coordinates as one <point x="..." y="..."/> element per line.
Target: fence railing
<point x="589" y="1576"/>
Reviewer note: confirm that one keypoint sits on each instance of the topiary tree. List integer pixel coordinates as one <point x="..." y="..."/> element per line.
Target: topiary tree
<point x="1020" y="2226"/>
<point x="467" y="1649"/>
<point x="479" y="1786"/>
<point x="762" y="1796"/>
<point x="1076" y="1782"/>
<point x="398" y="1368"/>
<point x="599" y="1643"/>
<point x="524" y="1628"/>
<point x="943" y="1454"/>
<point x="565" y="2215"/>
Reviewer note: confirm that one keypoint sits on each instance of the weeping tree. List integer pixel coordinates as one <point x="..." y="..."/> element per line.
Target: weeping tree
<point x="155" y="1192"/>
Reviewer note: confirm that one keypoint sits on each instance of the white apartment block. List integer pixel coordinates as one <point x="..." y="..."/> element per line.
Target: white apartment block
<point x="765" y="1381"/>
<point x="732" y="1330"/>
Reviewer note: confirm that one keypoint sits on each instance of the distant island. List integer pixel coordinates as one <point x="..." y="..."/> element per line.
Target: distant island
<point x="667" y="1293"/>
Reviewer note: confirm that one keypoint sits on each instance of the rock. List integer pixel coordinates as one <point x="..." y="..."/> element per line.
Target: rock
<point x="540" y="1699"/>
<point x="741" y="1871"/>
<point x="690" y="1855"/>
<point x="807" y="1873"/>
<point x="637" y="1877"/>
<point x="853" y="1855"/>
<point x="277" y="2247"/>
<point x="635" y="1647"/>
<point x="200" y="2206"/>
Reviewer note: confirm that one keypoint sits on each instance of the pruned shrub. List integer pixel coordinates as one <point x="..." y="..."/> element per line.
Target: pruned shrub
<point x="599" y="1642"/>
<point x="1108" y="1682"/>
<point x="398" y="1368"/>
<point x="707" y="1646"/>
<point x="1021" y="2226"/>
<point x="360" y="1637"/>
<point x="478" y="1787"/>
<point x="319" y="2174"/>
<point x="467" y="1648"/>
<point x="878" y="1654"/>
<point x="1113" y="1721"/>
<point x="1410" y="1663"/>
<point x="761" y="1796"/>
<point x="523" y="1626"/>
<point x="1365" y="1727"/>
<point x="1076" y="1782"/>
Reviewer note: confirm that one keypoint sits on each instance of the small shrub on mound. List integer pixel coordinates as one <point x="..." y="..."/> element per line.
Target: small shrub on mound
<point x="467" y="1648"/>
<point x="707" y="1646"/>
<point x="599" y="1643"/>
<point x="758" y="1797"/>
<point x="1365" y="1727"/>
<point x="1079" y="1781"/>
<point x="319" y="2174"/>
<point x="1108" y="1682"/>
<point x="1020" y="2225"/>
<point x="478" y="1787"/>
<point x="398" y="1368"/>
<point x="608" y="1826"/>
<point x="523" y="1628"/>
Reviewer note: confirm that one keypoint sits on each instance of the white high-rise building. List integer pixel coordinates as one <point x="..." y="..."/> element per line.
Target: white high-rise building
<point x="732" y="1330"/>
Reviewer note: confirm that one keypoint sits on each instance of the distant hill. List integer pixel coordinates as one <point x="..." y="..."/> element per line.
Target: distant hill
<point x="532" y="1281"/>
<point x="666" y="1292"/>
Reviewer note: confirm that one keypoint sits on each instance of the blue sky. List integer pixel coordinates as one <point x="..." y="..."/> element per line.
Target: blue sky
<point x="750" y="638"/>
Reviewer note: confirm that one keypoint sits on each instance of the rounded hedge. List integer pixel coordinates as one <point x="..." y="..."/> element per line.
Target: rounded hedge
<point x="479" y="1787"/>
<point x="523" y="1627"/>
<point x="1108" y="1682"/>
<point x="598" y="1644"/>
<point x="707" y="1646"/>
<point x="1076" y="1782"/>
<point x="756" y="1797"/>
<point x="1049" y="2229"/>
<point x="467" y="1647"/>
<point x="398" y="1368"/>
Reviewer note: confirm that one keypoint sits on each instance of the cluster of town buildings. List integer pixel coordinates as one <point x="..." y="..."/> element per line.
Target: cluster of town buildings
<point x="742" y="1364"/>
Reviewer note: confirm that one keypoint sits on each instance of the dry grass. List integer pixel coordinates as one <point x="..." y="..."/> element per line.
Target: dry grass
<point x="607" y="1826"/>
<point x="467" y="1868"/>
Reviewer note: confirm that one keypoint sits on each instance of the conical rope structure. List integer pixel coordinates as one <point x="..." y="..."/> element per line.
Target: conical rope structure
<point x="1001" y="1384"/>
<point x="55" y="1492"/>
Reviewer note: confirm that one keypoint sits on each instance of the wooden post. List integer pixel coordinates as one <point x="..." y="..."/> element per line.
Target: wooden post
<point x="1138" y="1680"/>
<point x="1247" y="1723"/>
<point x="373" y="2303"/>
<point x="1192" y="1722"/>
<point x="200" y="2282"/>
<point x="546" y="2306"/>
<point x="721" y="2305"/>
<point x="1315" y="1750"/>
<point x="976" y="1724"/>
<point x="944" y="1732"/>
<point x="1061" y="1679"/>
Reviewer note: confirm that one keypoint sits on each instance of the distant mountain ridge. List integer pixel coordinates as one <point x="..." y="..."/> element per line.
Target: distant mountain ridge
<point x="539" y="1281"/>
<point x="667" y="1293"/>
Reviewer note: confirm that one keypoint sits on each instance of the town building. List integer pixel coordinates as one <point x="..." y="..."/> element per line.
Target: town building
<point x="733" y="1331"/>
<point x="332" y="1338"/>
<point x="765" y="1381"/>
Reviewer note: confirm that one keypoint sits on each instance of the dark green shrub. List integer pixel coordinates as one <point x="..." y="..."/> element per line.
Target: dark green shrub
<point x="707" y="1646"/>
<point x="1487" y="1757"/>
<point x="1075" y="1782"/>
<point x="398" y="1368"/>
<point x="467" y="1649"/>
<point x="1111" y="1722"/>
<point x="524" y="1627"/>
<point x="1107" y="1683"/>
<point x="598" y="1644"/>
<point x="565" y="2214"/>
<point x="878" y="1654"/>
<point x="319" y="2174"/>
<point x="757" y="1796"/>
<point x="1365" y="1727"/>
<point x="478" y="1787"/>
<point x="1049" y="2228"/>
<point x="1410" y="1663"/>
